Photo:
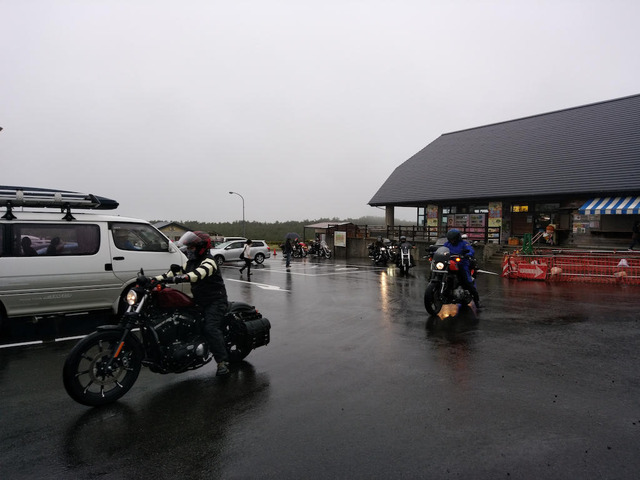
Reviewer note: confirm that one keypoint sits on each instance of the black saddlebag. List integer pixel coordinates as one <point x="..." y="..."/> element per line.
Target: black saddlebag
<point x="258" y="331"/>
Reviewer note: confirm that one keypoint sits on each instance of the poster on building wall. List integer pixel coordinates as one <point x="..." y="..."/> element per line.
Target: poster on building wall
<point x="495" y="214"/>
<point x="340" y="239"/>
<point x="432" y="215"/>
<point x="476" y="220"/>
<point x="585" y="223"/>
<point x="461" y="220"/>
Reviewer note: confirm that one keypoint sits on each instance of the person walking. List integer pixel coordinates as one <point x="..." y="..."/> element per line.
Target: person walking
<point x="246" y="256"/>
<point x="287" y="250"/>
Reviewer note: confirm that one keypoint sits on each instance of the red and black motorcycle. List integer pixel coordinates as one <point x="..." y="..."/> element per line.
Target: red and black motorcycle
<point x="161" y="329"/>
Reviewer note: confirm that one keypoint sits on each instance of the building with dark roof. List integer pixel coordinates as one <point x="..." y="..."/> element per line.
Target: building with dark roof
<point x="173" y="230"/>
<point x="577" y="170"/>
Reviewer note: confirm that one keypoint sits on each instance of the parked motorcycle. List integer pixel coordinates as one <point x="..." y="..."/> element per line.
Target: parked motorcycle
<point x="320" y="249"/>
<point x="444" y="284"/>
<point x="404" y="260"/>
<point x="300" y="250"/>
<point x="161" y="329"/>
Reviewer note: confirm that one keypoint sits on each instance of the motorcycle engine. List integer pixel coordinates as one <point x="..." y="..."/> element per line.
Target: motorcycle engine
<point x="181" y="342"/>
<point x="461" y="295"/>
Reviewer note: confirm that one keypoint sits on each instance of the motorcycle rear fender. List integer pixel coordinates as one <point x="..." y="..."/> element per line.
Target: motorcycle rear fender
<point x="240" y="307"/>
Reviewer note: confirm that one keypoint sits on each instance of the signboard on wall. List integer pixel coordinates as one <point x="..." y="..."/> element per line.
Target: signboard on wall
<point x="432" y="215"/>
<point x="476" y="220"/>
<point x="340" y="239"/>
<point x="461" y="220"/>
<point x="495" y="214"/>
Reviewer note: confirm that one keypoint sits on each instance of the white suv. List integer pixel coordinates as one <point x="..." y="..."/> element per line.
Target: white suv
<point x="72" y="261"/>
<point x="230" y="251"/>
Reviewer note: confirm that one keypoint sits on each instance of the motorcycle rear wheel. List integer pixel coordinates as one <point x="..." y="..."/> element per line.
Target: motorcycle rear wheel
<point x="89" y="378"/>
<point x="432" y="300"/>
<point x="237" y="349"/>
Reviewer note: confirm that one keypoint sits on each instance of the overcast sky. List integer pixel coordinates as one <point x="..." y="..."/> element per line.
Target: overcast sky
<point x="303" y="107"/>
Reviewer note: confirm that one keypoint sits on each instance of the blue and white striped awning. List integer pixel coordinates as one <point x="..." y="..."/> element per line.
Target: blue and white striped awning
<point x="611" y="206"/>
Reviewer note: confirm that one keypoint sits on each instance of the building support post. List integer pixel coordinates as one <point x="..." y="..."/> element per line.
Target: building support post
<point x="389" y="215"/>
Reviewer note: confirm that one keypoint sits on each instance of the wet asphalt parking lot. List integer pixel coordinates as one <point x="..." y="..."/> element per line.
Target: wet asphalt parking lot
<point x="544" y="384"/>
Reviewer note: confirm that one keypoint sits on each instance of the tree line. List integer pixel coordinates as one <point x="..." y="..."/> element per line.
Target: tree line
<point x="270" y="232"/>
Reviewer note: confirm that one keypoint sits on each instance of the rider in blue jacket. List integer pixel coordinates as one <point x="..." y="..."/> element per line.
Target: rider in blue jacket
<point x="458" y="246"/>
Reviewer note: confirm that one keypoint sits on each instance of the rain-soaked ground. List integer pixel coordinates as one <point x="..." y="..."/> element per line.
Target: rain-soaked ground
<point x="543" y="384"/>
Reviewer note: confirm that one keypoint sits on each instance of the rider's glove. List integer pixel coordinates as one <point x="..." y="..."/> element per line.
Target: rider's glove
<point x="180" y="278"/>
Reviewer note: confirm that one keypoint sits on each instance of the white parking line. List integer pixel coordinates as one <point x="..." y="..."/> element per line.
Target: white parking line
<point x="316" y="270"/>
<point x="309" y="270"/>
<point x="23" y="344"/>
<point x="264" y="286"/>
<point x="39" y="342"/>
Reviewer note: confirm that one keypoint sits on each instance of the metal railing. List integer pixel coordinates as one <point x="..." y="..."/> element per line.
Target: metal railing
<point x="424" y="233"/>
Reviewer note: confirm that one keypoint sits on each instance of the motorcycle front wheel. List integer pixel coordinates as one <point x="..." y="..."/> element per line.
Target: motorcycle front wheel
<point x="90" y="375"/>
<point x="432" y="299"/>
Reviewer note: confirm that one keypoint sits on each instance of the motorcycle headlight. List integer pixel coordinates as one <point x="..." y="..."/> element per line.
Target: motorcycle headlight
<point x="132" y="297"/>
<point x="439" y="266"/>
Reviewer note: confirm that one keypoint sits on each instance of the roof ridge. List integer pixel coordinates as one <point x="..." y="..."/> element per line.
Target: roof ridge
<point x="543" y="114"/>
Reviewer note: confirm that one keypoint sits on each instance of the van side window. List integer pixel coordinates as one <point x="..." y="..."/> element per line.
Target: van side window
<point x="41" y="239"/>
<point x="138" y="236"/>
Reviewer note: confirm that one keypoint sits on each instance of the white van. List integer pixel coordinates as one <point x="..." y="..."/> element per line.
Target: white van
<point x="71" y="260"/>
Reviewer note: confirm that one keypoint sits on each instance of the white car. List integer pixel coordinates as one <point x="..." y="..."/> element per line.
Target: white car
<point x="227" y="239"/>
<point x="74" y="261"/>
<point x="230" y="251"/>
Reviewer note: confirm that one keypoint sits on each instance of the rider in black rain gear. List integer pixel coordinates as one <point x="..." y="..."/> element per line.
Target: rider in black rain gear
<point x="207" y="287"/>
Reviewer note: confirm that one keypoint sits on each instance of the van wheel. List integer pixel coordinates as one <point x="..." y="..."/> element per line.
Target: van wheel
<point x="259" y="258"/>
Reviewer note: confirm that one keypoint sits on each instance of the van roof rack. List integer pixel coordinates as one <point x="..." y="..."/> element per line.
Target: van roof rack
<point x="11" y="197"/>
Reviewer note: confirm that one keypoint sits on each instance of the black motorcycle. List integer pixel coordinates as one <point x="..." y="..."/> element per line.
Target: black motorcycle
<point x="444" y="285"/>
<point x="404" y="260"/>
<point x="379" y="254"/>
<point x="161" y="329"/>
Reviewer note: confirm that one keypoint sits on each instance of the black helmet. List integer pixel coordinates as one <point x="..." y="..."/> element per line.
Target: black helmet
<point x="454" y="236"/>
<point x="201" y="242"/>
<point x="403" y="239"/>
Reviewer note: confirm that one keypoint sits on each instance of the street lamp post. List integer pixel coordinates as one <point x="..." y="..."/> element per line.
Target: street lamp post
<point x="244" y="232"/>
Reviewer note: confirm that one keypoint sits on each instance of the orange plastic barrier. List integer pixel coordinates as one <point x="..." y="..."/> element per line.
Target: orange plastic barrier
<point x="575" y="266"/>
